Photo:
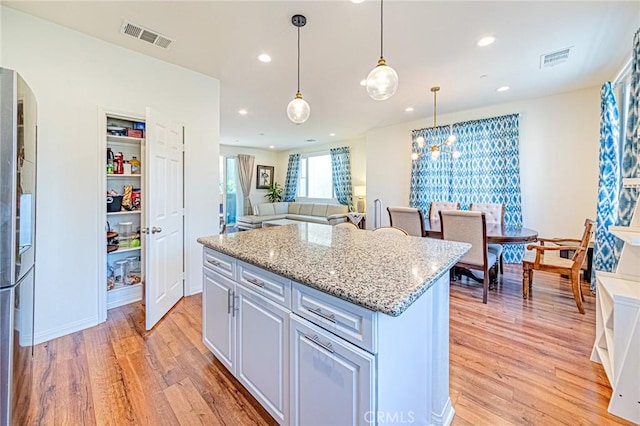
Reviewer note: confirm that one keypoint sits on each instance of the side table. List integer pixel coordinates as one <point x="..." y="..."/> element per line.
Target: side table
<point x="358" y="219"/>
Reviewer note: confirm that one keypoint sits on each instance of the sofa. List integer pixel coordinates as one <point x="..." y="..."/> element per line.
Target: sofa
<point x="328" y="214"/>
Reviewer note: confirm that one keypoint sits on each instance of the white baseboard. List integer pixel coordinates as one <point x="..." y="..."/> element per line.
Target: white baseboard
<point x="46" y="335"/>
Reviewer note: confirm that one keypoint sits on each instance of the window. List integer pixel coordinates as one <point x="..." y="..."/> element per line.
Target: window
<point x="315" y="179"/>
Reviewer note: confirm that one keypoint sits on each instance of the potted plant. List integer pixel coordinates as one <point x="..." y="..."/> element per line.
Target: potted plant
<point x="274" y="193"/>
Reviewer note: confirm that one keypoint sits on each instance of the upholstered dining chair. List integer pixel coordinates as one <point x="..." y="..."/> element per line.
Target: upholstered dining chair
<point x="409" y="219"/>
<point x="390" y="230"/>
<point x="347" y="225"/>
<point x="536" y="260"/>
<point x="470" y="227"/>
<point x="494" y="213"/>
<point x="434" y="212"/>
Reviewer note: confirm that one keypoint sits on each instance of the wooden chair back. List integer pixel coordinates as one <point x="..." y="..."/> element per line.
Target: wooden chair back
<point x="409" y="219"/>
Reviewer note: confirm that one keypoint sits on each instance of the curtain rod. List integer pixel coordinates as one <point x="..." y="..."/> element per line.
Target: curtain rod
<point x="623" y="73"/>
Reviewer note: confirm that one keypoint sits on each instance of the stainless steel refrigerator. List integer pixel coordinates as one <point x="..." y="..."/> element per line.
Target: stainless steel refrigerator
<point x="18" y="135"/>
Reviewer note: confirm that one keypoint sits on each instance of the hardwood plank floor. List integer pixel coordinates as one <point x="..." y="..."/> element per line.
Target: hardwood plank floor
<point x="513" y="362"/>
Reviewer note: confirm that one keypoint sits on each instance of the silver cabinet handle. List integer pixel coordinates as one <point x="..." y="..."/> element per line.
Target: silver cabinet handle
<point x="229" y="300"/>
<point x="326" y="346"/>
<point x="214" y="262"/>
<point x="144" y="230"/>
<point x="328" y="317"/>
<point x="256" y="282"/>
<point x="235" y="309"/>
<point x="155" y="230"/>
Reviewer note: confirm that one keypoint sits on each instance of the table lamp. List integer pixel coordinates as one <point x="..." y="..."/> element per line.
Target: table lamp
<point x="360" y="192"/>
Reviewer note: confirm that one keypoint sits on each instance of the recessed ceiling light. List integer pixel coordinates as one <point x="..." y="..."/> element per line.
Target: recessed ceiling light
<point x="263" y="57"/>
<point x="363" y="82"/>
<point x="408" y="109"/>
<point x="502" y="89"/>
<point x="485" y="41"/>
<point x="357" y="1"/>
<point x="271" y="146"/>
<point x="332" y="134"/>
<point x="242" y="111"/>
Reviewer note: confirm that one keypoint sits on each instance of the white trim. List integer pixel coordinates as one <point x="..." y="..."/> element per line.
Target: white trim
<point x="54" y="333"/>
<point x="101" y="146"/>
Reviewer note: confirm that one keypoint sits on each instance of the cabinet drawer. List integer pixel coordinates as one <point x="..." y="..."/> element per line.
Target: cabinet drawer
<point x="272" y="286"/>
<point x="221" y="263"/>
<point x="351" y="322"/>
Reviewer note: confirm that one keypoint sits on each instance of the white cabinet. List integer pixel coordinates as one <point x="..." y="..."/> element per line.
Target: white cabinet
<point x="246" y="326"/>
<point x="262" y="356"/>
<point x="311" y="358"/>
<point x="219" y="322"/>
<point x="332" y="381"/>
<point x="617" y="343"/>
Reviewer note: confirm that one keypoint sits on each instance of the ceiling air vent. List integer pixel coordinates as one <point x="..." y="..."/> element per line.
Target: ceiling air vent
<point x="552" y="59"/>
<point x="145" y="34"/>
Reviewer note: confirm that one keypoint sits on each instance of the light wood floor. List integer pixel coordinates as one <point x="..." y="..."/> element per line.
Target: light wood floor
<point x="512" y="362"/>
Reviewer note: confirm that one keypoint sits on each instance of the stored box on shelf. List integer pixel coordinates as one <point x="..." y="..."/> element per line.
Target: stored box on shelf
<point x="134" y="133"/>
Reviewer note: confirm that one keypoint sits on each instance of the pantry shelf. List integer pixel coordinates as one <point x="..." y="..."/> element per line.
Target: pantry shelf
<point x="125" y="140"/>
<point x="113" y="175"/>
<point x="123" y="250"/>
<point x="124" y="212"/>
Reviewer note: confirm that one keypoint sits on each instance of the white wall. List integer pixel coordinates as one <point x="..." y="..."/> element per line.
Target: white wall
<point x="71" y="75"/>
<point x="263" y="157"/>
<point x="559" y="145"/>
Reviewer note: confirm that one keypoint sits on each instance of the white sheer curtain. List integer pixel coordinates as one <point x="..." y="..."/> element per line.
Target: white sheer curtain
<point x="245" y="173"/>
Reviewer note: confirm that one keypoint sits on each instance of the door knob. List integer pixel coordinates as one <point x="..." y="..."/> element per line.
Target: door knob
<point x="155" y="230"/>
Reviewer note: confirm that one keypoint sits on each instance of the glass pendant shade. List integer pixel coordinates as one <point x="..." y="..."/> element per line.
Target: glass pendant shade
<point x="382" y="81"/>
<point x="298" y="109"/>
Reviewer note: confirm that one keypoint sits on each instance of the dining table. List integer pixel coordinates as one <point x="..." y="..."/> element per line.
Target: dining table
<point x="497" y="233"/>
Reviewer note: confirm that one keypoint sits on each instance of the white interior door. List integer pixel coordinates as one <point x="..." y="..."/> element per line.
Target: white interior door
<point x="164" y="284"/>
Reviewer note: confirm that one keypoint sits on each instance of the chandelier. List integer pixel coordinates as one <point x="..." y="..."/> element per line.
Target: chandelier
<point x="435" y="149"/>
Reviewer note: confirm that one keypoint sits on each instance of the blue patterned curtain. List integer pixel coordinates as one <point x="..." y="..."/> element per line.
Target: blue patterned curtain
<point x="631" y="153"/>
<point x="608" y="184"/>
<point x="341" y="170"/>
<point x="291" y="182"/>
<point x="488" y="170"/>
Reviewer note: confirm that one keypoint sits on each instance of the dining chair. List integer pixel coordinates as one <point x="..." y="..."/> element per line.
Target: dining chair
<point x="536" y="260"/>
<point x="494" y="213"/>
<point x="390" y="230"/>
<point x="347" y="225"/>
<point x="470" y="227"/>
<point x="434" y="212"/>
<point x="408" y="218"/>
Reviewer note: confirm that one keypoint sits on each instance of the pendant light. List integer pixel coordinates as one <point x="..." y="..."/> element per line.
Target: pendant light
<point x="298" y="109"/>
<point x="382" y="81"/>
<point x="435" y="149"/>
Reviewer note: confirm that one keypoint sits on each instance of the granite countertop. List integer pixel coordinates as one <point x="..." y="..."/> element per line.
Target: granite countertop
<point x="381" y="272"/>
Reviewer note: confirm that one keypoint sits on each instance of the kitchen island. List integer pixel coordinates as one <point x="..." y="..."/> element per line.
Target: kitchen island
<point x="333" y="326"/>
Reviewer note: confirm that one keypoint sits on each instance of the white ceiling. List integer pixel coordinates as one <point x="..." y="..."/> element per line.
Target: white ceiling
<point x="427" y="42"/>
